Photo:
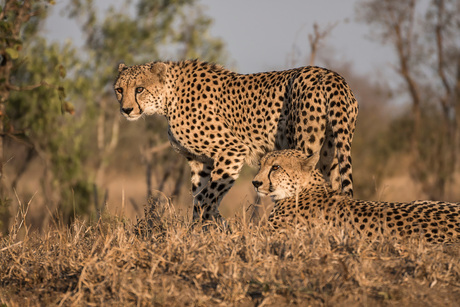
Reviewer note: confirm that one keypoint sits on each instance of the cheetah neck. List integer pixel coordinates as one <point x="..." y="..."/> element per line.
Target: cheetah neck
<point x="317" y="179"/>
<point x="173" y="77"/>
<point x="316" y="182"/>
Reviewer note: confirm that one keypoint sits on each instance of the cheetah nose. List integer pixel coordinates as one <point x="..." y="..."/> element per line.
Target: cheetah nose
<point x="257" y="184"/>
<point x="127" y="110"/>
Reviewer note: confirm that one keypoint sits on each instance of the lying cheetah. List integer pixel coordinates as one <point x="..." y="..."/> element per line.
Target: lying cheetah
<point x="219" y="119"/>
<point x="301" y="194"/>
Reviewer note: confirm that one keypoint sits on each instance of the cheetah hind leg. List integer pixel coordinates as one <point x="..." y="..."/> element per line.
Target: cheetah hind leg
<point x="328" y="161"/>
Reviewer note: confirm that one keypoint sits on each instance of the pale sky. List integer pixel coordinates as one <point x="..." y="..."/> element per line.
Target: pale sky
<point x="262" y="35"/>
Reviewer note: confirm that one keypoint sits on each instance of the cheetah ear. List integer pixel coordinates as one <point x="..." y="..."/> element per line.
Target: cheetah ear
<point x="122" y="67"/>
<point x="159" y="69"/>
<point x="308" y="163"/>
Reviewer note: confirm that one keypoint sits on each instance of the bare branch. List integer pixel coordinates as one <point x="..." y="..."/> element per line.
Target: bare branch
<point x="316" y="38"/>
<point x="440" y="48"/>
<point x="114" y="139"/>
<point x="159" y="148"/>
<point x="26" y="87"/>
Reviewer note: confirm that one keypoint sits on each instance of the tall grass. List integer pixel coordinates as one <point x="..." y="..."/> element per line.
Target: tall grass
<point x="164" y="260"/>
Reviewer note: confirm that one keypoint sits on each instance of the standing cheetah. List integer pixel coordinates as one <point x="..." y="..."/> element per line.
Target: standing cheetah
<point x="302" y="194"/>
<point x="219" y="119"/>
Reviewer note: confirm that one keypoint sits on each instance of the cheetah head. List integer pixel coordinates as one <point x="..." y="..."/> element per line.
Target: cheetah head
<point x="141" y="89"/>
<point x="284" y="173"/>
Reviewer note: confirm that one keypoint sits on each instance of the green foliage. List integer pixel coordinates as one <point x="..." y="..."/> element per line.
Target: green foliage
<point x="18" y="22"/>
<point x="171" y="30"/>
<point x="158" y="30"/>
<point x="12" y="53"/>
<point x="60" y="100"/>
<point x="44" y="115"/>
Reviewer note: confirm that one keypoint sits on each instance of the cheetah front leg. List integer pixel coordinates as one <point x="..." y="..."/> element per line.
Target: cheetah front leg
<point x="226" y="168"/>
<point x="200" y="176"/>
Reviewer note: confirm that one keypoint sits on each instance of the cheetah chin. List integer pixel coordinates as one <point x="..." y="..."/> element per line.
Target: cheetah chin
<point x="278" y="194"/>
<point x="133" y="118"/>
<point x="274" y="194"/>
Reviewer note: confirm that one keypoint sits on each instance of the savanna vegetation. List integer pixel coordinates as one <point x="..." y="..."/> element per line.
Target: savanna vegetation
<point x="163" y="261"/>
<point x="70" y="235"/>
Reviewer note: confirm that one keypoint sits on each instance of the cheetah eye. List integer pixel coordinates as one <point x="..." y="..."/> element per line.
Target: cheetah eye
<point x="139" y="90"/>
<point x="119" y="90"/>
<point x="275" y="167"/>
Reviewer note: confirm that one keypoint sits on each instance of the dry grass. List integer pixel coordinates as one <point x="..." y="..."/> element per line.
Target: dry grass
<point x="164" y="261"/>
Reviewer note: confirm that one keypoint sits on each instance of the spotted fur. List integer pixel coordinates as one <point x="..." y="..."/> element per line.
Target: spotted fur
<point x="219" y="119"/>
<point x="302" y="195"/>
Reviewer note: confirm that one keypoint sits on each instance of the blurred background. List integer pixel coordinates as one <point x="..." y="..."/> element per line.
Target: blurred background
<point x="65" y="150"/>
